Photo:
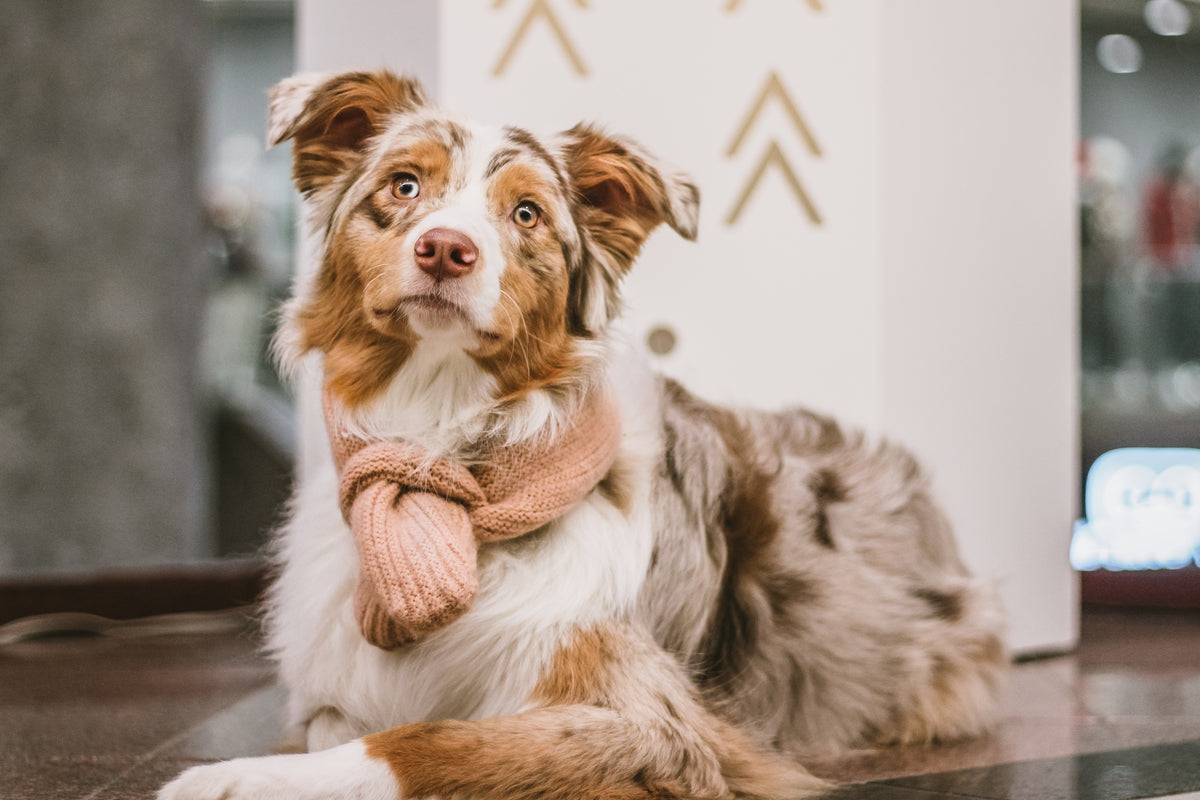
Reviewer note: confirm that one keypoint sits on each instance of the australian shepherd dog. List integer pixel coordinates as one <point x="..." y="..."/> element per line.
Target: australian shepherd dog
<point x="736" y="591"/>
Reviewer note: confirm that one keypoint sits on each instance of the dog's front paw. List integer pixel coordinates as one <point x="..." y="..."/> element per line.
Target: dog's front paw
<point x="231" y="780"/>
<point x="341" y="773"/>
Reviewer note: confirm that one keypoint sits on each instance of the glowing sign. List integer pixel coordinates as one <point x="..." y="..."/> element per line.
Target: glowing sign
<point x="1143" y="511"/>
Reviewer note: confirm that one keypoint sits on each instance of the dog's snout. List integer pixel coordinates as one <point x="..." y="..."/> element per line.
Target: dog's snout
<point x="445" y="253"/>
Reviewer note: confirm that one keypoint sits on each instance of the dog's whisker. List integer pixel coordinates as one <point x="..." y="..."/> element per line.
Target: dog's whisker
<point x="518" y="339"/>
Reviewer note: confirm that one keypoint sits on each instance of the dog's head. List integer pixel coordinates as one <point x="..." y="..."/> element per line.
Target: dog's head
<point x="459" y="237"/>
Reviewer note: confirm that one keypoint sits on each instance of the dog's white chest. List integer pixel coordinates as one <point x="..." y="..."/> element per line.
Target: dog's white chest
<point x="586" y="567"/>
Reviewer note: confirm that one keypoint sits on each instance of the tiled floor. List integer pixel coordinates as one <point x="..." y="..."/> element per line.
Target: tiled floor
<point x="112" y="717"/>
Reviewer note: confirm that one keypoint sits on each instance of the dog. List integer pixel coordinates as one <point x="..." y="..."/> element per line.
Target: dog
<point x="728" y="593"/>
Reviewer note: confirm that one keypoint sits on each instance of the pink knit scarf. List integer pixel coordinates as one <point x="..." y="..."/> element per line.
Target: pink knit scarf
<point x="418" y="522"/>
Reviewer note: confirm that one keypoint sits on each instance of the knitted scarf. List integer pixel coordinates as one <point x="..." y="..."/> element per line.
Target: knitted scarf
<point x="418" y="522"/>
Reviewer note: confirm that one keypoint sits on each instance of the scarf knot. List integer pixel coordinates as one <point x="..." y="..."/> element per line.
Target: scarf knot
<point x="418" y="521"/>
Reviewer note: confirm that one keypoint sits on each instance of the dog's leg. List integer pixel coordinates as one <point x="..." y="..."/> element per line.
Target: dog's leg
<point x="328" y="728"/>
<point x="345" y="772"/>
<point x="614" y="717"/>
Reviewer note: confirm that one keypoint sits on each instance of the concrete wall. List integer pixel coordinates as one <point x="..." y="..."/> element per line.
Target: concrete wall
<point x="103" y="454"/>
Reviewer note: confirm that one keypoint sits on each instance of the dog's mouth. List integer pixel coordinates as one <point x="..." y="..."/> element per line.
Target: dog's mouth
<point x="438" y="308"/>
<point x="432" y="311"/>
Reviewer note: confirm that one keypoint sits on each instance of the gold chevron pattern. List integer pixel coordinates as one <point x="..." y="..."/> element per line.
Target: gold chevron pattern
<point x="540" y="9"/>
<point x="774" y="158"/>
<point x="773" y="89"/>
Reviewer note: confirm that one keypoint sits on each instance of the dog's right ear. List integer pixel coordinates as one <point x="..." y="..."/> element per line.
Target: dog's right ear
<point x="330" y="118"/>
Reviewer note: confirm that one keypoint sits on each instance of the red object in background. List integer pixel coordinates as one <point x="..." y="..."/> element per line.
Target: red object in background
<point x="1172" y="214"/>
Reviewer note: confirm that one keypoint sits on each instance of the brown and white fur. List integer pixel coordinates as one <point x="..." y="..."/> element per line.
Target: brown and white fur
<point x="742" y="590"/>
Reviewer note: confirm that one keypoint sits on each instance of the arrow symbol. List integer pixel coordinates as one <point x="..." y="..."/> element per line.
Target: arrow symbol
<point x="774" y="89"/>
<point x="539" y="9"/>
<point x="774" y="157"/>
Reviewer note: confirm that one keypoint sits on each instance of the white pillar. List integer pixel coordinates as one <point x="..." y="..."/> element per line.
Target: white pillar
<point x="980" y="283"/>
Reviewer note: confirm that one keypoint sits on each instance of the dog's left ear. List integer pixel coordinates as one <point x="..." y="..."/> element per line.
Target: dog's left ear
<point x="622" y="194"/>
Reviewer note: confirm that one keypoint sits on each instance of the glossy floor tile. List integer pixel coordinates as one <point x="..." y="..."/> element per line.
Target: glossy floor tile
<point x="1117" y="720"/>
<point x="110" y="718"/>
<point x="1156" y="771"/>
<point x="113" y="717"/>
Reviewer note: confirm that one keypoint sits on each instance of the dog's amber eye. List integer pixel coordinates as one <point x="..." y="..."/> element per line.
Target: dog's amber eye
<point x="527" y="215"/>
<point x="406" y="186"/>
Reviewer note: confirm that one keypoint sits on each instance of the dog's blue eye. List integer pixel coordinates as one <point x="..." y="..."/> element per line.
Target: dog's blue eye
<point x="527" y="215"/>
<point x="406" y="186"/>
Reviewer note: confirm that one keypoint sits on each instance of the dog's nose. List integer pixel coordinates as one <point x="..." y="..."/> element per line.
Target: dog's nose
<point x="444" y="253"/>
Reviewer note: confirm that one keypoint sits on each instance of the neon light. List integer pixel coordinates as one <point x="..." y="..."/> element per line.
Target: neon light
<point x="1143" y="511"/>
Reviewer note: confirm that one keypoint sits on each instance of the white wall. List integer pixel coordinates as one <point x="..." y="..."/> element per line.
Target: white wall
<point x="934" y="302"/>
<point x="773" y="308"/>
<point x="366" y="34"/>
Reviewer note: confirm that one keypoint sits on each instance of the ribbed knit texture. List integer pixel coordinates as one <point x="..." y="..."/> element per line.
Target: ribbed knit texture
<point x="417" y="522"/>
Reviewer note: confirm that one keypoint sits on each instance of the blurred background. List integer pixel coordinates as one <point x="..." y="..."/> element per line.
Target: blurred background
<point x="147" y="237"/>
